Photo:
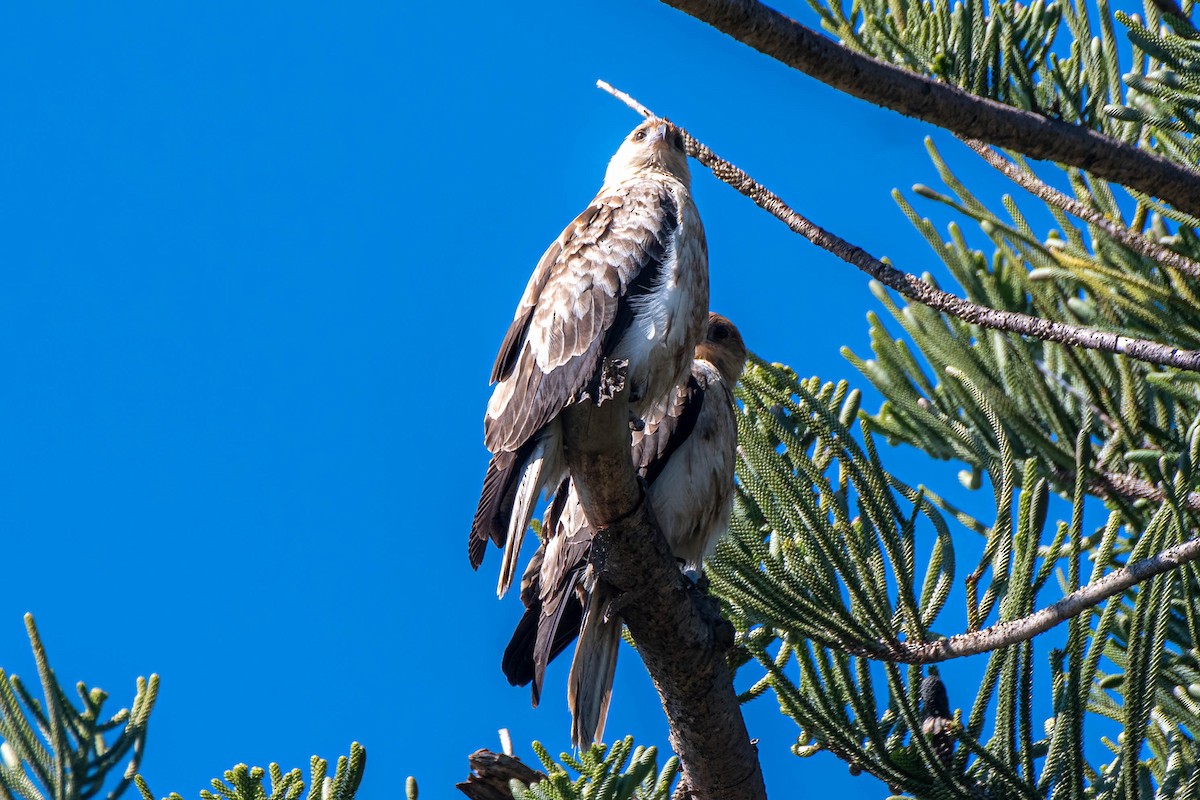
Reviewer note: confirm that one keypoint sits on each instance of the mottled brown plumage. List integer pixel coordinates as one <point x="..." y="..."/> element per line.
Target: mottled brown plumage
<point x="691" y="445"/>
<point x="686" y="453"/>
<point x="626" y="280"/>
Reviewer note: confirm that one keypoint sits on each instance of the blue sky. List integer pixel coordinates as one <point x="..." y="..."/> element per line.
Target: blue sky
<point x="256" y="261"/>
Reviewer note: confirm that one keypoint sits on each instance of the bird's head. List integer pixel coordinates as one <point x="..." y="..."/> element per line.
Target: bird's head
<point x="722" y="346"/>
<point x="654" y="145"/>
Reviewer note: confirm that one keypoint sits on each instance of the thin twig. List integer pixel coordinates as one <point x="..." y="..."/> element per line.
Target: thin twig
<point x="625" y="98"/>
<point x="917" y="290"/>
<point x="1131" y="239"/>
<point x="946" y="106"/>
<point x="1113" y="484"/>
<point x="1003" y="634"/>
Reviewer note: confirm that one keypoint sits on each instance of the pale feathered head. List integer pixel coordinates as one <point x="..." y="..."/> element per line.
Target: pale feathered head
<point x="654" y="145"/>
<point x="722" y="346"/>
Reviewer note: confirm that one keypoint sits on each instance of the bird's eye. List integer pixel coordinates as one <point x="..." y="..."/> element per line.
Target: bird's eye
<point x="639" y="135"/>
<point x="718" y="333"/>
<point x="678" y="141"/>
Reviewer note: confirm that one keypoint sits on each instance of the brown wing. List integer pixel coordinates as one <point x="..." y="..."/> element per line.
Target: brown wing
<point x="514" y="337"/>
<point x="667" y="430"/>
<point x="576" y="306"/>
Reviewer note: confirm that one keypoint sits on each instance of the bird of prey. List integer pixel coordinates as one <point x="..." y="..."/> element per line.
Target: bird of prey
<point x="626" y="281"/>
<point x="686" y="454"/>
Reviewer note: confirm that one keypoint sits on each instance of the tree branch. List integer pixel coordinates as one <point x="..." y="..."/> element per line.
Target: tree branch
<point x="1106" y="485"/>
<point x="946" y="106"/>
<point x="1003" y="634"/>
<point x="917" y="290"/>
<point x="679" y="632"/>
<point x="1048" y="194"/>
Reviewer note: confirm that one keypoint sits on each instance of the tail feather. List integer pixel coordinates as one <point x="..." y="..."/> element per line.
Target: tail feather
<point x="511" y="488"/>
<point x="494" y="514"/>
<point x="561" y="616"/>
<point x="589" y="687"/>
<point x="531" y="581"/>
<point x="495" y="504"/>
<point x="525" y="496"/>
<point x="517" y="662"/>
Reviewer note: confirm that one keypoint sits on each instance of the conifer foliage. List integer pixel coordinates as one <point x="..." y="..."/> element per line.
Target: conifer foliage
<point x="838" y="574"/>
<point x="49" y="748"/>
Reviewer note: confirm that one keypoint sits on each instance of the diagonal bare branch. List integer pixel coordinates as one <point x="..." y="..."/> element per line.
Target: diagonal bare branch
<point x="918" y="290"/>
<point x="1048" y="194"/>
<point x="1003" y="634"/>
<point x="946" y="106"/>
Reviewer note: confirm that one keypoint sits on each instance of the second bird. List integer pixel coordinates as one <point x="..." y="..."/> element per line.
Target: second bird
<point x="686" y="453"/>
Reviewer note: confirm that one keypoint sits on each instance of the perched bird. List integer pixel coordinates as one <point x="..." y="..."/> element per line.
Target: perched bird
<point x="627" y="280"/>
<point x="686" y="454"/>
<point x="936" y="722"/>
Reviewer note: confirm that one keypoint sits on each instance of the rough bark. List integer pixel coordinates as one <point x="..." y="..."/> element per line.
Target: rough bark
<point x="680" y="634"/>
<point x="946" y="106"/>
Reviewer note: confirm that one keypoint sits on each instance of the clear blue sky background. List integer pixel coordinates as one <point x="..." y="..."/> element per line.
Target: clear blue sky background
<point x="256" y="261"/>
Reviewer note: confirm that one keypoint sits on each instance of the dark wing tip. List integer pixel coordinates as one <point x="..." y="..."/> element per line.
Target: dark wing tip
<point x="476" y="549"/>
<point x="495" y="505"/>
<point x="557" y="628"/>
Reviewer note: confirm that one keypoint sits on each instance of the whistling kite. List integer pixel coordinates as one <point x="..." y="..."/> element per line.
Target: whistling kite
<point x="627" y="280"/>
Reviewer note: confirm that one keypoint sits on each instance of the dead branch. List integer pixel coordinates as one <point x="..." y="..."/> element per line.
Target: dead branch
<point x="491" y="773"/>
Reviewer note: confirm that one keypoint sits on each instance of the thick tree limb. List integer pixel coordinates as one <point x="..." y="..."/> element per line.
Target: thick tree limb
<point x="679" y="632"/>
<point x="946" y="106"/>
<point x="1003" y="634"/>
<point x="921" y="292"/>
